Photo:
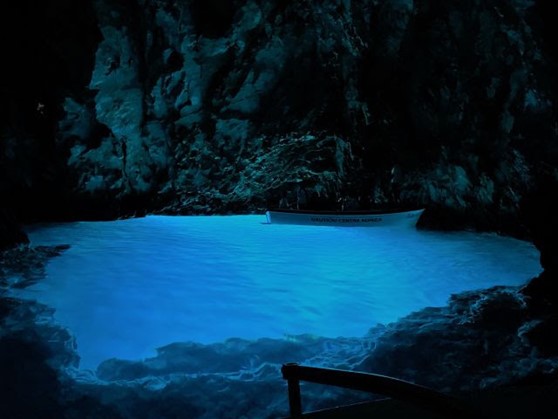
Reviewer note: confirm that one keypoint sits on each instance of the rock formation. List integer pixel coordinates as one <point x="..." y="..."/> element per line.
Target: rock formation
<point x="117" y="108"/>
<point x="173" y="105"/>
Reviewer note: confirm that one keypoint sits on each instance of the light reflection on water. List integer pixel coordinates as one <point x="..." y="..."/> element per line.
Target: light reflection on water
<point x="127" y="287"/>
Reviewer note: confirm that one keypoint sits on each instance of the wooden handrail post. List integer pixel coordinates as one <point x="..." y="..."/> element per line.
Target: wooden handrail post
<point x="293" y="383"/>
<point x="295" y="402"/>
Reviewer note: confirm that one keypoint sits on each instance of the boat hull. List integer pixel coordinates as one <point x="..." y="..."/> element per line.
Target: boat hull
<point x="341" y="219"/>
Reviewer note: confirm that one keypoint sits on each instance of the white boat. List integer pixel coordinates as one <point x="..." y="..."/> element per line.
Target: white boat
<point x="344" y="219"/>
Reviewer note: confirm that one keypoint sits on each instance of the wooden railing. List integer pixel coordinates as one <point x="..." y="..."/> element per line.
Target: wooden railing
<point x="420" y="396"/>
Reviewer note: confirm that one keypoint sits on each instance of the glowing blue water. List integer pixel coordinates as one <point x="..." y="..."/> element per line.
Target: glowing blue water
<point x="127" y="287"/>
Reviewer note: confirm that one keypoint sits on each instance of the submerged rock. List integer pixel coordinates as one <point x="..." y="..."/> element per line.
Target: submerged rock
<point x="483" y="340"/>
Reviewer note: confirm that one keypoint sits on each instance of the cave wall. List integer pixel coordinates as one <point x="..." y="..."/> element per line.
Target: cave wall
<point x="48" y="49"/>
<point x="113" y="108"/>
<point x="233" y="106"/>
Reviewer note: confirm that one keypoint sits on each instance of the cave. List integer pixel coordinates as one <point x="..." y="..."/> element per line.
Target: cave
<point x="157" y="122"/>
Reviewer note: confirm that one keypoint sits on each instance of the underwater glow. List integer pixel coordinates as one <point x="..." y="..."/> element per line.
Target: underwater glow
<point x="127" y="287"/>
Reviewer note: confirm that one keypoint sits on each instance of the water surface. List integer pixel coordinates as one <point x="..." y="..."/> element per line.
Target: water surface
<point x="127" y="287"/>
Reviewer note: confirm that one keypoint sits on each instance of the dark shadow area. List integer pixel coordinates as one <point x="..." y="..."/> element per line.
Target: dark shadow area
<point x="29" y="387"/>
<point x="213" y="18"/>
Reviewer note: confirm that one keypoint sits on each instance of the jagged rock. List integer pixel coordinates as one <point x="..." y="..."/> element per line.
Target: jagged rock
<point x="175" y="107"/>
<point x="296" y="171"/>
<point x="481" y="339"/>
<point x="22" y="266"/>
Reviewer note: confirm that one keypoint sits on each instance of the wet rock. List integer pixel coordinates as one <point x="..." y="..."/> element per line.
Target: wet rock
<point x="254" y="360"/>
<point x="23" y="266"/>
<point x="297" y="171"/>
<point x="231" y="372"/>
<point x="34" y="349"/>
<point x="481" y="339"/>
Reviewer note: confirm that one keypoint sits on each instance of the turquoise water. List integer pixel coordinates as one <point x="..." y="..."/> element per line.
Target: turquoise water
<point x="127" y="287"/>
